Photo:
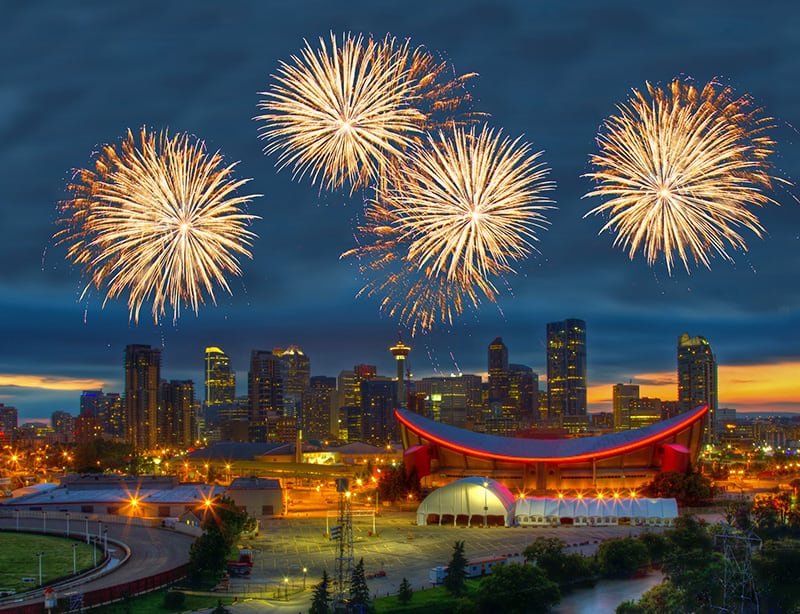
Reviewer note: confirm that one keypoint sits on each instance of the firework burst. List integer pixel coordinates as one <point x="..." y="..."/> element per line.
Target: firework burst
<point x="338" y="113"/>
<point x="463" y="209"/>
<point x="345" y="112"/>
<point x="679" y="168"/>
<point x="157" y="218"/>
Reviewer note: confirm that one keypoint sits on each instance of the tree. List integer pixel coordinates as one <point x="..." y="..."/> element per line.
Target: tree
<point x="517" y="589"/>
<point x="405" y="592"/>
<point x="656" y="545"/>
<point x="775" y="568"/>
<point x="663" y="598"/>
<point x="359" y="591"/>
<point x="689" y="488"/>
<point x="622" y="558"/>
<point x="456" y="579"/>
<point x="565" y="569"/>
<point x="207" y="556"/>
<point x="321" y="597"/>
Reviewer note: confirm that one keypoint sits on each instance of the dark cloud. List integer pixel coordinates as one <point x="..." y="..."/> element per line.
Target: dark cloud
<point x="78" y="76"/>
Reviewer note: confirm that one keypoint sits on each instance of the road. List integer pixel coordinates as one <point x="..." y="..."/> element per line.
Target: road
<point x="151" y="550"/>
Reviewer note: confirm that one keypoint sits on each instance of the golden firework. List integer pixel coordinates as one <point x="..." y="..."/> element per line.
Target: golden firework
<point x="679" y="168"/>
<point x="157" y="218"/>
<point x="462" y="209"/>
<point x="339" y="113"/>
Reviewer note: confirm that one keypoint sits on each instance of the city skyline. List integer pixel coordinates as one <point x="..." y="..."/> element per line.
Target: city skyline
<point x="549" y="75"/>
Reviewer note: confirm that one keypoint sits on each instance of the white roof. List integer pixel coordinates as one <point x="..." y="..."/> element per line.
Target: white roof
<point x="573" y="507"/>
<point x="468" y="497"/>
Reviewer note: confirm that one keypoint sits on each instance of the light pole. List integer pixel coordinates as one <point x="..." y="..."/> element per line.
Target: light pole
<point x="87" y="528"/>
<point x="40" y="555"/>
<point x="67" y="515"/>
<point x="74" y="559"/>
<point x="485" y="501"/>
<point x="286" y="588"/>
<point x="105" y="541"/>
<point x="305" y="571"/>
<point x="44" y="521"/>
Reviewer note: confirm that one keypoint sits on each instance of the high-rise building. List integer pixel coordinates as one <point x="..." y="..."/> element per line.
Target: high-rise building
<point x="523" y="390"/>
<point x="400" y="352"/>
<point x="622" y="396"/>
<point x="378" y="402"/>
<point x="318" y="408"/>
<point x="265" y="385"/>
<point x="8" y="424"/>
<point x="177" y="419"/>
<point x="697" y="379"/>
<point x="296" y="380"/>
<point x="142" y="380"/>
<point x="499" y="397"/>
<point x="220" y="383"/>
<point x="566" y="370"/>
<point x="644" y="411"/>
<point x="63" y="424"/>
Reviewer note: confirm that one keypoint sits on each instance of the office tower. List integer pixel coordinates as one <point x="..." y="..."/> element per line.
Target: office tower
<point x="378" y="399"/>
<point x="644" y="411"/>
<point x="220" y="384"/>
<point x="318" y="408"/>
<point x="499" y="399"/>
<point x="447" y="398"/>
<point x="112" y="416"/>
<point x="400" y="352"/>
<point x="265" y="385"/>
<point x="566" y="370"/>
<point x="8" y="424"/>
<point x="142" y="380"/>
<point x="63" y="424"/>
<point x="623" y="394"/>
<point x="523" y="390"/>
<point x="296" y="381"/>
<point x="177" y="420"/>
<point x="697" y="379"/>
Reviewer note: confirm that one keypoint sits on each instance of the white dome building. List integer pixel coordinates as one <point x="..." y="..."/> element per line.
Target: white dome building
<point x="469" y="502"/>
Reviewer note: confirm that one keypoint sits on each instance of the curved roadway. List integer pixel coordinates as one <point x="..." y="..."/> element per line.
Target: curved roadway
<point x="152" y="550"/>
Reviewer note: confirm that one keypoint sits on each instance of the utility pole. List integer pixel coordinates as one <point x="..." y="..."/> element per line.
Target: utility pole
<point x="739" y="587"/>
<point x="344" y="534"/>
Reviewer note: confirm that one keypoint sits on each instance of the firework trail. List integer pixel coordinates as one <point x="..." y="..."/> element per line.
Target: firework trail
<point x="345" y="112"/>
<point x="463" y="208"/>
<point x="679" y="168"/>
<point x="156" y="218"/>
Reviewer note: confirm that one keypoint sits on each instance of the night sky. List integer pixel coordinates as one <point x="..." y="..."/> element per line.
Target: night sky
<point x="78" y="75"/>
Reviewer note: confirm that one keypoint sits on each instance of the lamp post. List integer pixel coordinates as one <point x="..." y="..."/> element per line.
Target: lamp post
<point x="305" y="571"/>
<point x="87" y="528"/>
<point x="74" y="559"/>
<point x="105" y="541"/>
<point x="40" y="555"/>
<point x="44" y="521"/>
<point x="485" y="502"/>
<point x="67" y="515"/>
<point x="286" y="588"/>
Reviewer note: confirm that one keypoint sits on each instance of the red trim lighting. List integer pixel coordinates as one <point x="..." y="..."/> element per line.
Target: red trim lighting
<point x="622" y="449"/>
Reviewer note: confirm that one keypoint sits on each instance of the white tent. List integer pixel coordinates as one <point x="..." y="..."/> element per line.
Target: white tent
<point x="548" y="511"/>
<point x="473" y="501"/>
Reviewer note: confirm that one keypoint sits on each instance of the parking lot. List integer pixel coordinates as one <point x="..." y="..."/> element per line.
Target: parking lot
<point x="286" y="546"/>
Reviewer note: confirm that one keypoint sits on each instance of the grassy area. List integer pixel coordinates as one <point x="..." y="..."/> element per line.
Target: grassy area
<point x="153" y="603"/>
<point x="430" y="600"/>
<point x="18" y="559"/>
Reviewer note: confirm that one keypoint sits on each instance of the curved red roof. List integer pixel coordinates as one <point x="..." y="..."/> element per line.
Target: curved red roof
<point x="537" y="450"/>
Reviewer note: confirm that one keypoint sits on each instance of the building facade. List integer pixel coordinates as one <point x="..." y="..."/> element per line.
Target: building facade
<point x="142" y="381"/>
<point x="566" y="371"/>
<point x="697" y="379"/>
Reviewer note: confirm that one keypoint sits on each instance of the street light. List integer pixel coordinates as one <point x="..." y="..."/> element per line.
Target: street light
<point x="485" y="501"/>
<point x="67" y="515"/>
<point x="44" y="521"/>
<point x="40" y="555"/>
<point x="74" y="560"/>
<point x="305" y="571"/>
<point x="87" y="528"/>
<point x="286" y="588"/>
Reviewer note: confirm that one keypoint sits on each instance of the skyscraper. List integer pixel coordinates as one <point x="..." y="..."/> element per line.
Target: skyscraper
<point x="566" y="370"/>
<point x="622" y="396"/>
<point x="697" y="379"/>
<point x="220" y="383"/>
<point x="318" y="408"/>
<point x="265" y="389"/>
<point x="177" y="419"/>
<point x="142" y="379"/>
<point x="296" y="380"/>
<point x="499" y="398"/>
